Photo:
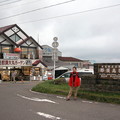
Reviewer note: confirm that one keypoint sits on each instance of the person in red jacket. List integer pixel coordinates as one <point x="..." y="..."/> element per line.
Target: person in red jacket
<point x="74" y="83"/>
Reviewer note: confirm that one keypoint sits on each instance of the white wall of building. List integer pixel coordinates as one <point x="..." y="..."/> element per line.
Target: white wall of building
<point x="48" y="51"/>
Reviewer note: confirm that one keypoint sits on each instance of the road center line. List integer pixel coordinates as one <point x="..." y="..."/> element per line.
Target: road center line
<point x="37" y="99"/>
<point x="48" y="116"/>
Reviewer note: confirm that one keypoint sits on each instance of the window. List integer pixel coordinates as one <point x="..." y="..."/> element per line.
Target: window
<point x="29" y="53"/>
<point x="6" y="49"/>
<point x="67" y="75"/>
<point x="86" y="66"/>
<point x="9" y="33"/>
<point x="75" y="64"/>
<point x="84" y="73"/>
<point x="21" y="35"/>
<point x="24" y="53"/>
<point x="33" y="53"/>
<point x="15" y="38"/>
<point x="15" y="29"/>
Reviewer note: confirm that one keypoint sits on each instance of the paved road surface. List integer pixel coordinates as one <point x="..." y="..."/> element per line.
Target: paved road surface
<point x="18" y="103"/>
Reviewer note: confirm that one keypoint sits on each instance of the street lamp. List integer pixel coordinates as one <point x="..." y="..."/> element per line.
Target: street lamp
<point x="55" y="44"/>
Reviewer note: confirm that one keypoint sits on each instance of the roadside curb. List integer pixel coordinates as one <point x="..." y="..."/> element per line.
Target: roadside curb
<point x="38" y="92"/>
<point x="64" y="98"/>
<point x="53" y="95"/>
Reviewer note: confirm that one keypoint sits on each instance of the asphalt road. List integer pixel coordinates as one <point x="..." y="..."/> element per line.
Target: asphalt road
<point x="17" y="102"/>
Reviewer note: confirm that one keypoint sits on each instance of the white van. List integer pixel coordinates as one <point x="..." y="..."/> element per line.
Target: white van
<point x="82" y="72"/>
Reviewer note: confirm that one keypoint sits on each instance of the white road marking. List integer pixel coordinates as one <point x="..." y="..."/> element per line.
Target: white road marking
<point x="48" y="116"/>
<point x="61" y="97"/>
<point x="87" y="102"/>
<point x="37" y="99"/>
<point x="47" y="94"/>
<point x="96" y="102"/>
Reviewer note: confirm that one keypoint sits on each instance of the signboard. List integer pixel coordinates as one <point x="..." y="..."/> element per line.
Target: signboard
<point x="20" y="62"/>
<point x="55" y="55"/>
<point x="55" y="39"/>
<point x="107" y="71"/>
<point x="47" y="51"/>
<point x="11" y="56"/>
<point x="55" y="44"/>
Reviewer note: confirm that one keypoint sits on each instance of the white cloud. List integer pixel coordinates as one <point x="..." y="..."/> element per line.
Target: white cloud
<point x="93" y="35"/>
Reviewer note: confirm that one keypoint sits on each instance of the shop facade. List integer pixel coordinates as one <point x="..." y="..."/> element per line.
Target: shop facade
<point x="18" y="52"/>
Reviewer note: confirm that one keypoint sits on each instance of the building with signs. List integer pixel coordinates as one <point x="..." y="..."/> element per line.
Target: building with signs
<point x="63" y="63"/>
<point x="48" y="53"/>
<point x="19" y="52"/>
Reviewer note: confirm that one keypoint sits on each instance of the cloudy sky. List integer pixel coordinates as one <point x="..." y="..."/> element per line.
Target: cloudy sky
<point x="82" y="33"/>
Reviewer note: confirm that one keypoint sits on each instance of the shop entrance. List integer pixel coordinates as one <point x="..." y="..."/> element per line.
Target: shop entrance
<point x="18" y="71"/>
<point x="5" y="73"/>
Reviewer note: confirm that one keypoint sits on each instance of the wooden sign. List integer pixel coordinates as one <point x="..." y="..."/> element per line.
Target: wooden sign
<point x="107" y="70"/>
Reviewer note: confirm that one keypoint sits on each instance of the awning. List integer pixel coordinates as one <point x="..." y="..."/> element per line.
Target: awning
<point x="37" y="62"/>
<point x="61" y="68"/>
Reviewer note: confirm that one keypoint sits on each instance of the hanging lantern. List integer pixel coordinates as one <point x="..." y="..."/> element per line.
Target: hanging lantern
<point x="17" y="50"/>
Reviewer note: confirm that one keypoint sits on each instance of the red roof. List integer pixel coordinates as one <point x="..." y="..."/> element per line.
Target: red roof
<point x="70" y="59"/>
<point x="2" y="29"/>
<point x="37" y="62"/>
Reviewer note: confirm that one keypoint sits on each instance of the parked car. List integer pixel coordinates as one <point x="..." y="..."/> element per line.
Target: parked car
<point x="82" y="72"/>
<point x="44" y="77"/>
<point x="50" y="76"/>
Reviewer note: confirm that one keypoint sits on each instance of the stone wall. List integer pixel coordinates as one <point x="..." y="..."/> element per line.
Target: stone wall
<point x="93" y="84"/>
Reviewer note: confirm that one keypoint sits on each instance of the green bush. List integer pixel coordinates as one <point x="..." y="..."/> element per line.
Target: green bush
<point x="59" y="81"/>
<point x="62" y="89"/>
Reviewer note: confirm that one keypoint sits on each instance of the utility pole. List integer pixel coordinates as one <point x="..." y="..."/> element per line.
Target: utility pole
<point x="55" y="44"/>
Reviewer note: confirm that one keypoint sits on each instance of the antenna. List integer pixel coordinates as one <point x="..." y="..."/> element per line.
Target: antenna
<point x="38" y="40"/>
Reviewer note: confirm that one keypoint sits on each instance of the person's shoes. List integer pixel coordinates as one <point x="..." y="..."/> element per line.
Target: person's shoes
<point x="67" y="99"/>
<point x="75" y="98"/>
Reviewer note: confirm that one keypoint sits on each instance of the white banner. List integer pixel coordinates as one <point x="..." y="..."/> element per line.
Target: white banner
<point x="11" y="56"/>
<point x="20" y="62"/>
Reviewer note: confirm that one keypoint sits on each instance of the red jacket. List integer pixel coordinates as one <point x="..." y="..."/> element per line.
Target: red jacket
<point x="77" y="81"/>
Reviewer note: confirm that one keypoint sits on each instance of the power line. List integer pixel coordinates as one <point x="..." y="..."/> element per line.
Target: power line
<point x="11" y="2"/>
<point x="71" y="14"/>
<point x="4" y="1"/>
<point x="36" y="9"/>
<point x="22" y="4"/>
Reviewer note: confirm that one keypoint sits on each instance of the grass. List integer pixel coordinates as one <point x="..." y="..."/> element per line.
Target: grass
<point x="62" y="89"/>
